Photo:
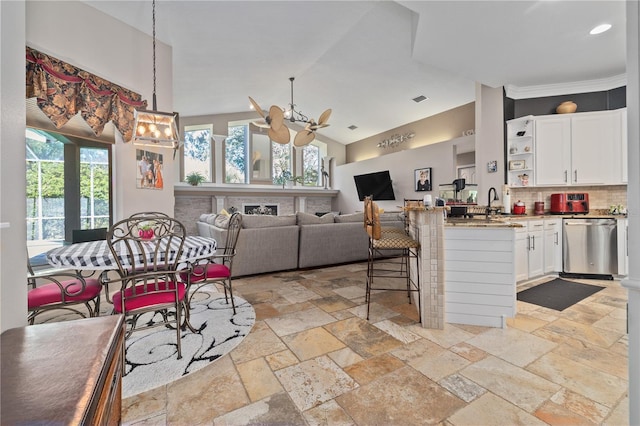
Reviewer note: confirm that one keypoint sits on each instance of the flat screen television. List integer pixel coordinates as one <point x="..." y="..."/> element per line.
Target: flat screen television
<point x="377" y="184"/>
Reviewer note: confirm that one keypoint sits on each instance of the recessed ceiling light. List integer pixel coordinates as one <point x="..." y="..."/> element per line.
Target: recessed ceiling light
<point x="420" y="98"/>
<point x="600" y="29"/>
<point x="352" y="127"/>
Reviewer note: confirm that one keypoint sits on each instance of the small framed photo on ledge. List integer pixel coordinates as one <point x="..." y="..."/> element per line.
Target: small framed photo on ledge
<point x="517" y="165"/>
<point x="423" y="179"/>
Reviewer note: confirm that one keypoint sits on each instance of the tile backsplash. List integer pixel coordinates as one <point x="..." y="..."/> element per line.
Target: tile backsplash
<point x="600" y="197"/>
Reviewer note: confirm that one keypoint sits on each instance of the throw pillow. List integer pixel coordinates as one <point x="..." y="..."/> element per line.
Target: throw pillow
<point x="352" y="217"/>
<point x="225" y="212"/>
<point x="221" y="221"/>
<point x="211" y="219"/>
<point x="312" y="219"/>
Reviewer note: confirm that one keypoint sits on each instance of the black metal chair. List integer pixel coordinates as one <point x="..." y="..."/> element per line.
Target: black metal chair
<point x="148" y="272"/>
<point x="66" y="290"/>
<point x="217" y="269"/>
<point x="390" y="255"/>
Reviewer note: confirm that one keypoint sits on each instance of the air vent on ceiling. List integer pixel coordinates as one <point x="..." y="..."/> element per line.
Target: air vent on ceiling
<point x="352" y="127"/>
<point x="420" y="99"/>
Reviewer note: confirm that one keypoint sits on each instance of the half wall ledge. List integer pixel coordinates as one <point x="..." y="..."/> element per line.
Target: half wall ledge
<point x="252" y="190"/>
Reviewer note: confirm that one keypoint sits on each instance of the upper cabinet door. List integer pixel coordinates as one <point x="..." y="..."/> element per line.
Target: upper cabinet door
<point x="592" y="146"/>
<point x="553" y="150"/>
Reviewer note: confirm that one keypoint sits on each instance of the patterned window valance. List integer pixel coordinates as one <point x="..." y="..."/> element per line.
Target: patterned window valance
<point x="63" y="90"/>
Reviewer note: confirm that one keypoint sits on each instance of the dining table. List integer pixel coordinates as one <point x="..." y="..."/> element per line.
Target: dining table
<point x="97" y="256"/>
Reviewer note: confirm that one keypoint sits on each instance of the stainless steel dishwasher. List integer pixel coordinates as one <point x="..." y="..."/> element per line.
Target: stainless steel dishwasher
<point x="590" y="246"/>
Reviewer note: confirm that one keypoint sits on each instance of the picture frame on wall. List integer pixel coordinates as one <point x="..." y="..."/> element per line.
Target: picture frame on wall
<point x="423" y="178"/>
<point x="149" y="170"/>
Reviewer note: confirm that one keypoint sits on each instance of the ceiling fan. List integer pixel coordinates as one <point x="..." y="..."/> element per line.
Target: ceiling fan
<point x="279" y="132"/>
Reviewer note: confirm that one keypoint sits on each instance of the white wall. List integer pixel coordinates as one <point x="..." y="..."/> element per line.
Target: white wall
<point x="489" y="140"/>
<point x="100" y="44"/>
<point x="13" y="253"/>
<point x="441" y="157"/>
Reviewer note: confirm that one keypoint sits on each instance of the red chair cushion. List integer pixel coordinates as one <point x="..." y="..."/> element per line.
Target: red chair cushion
<point x="212" y="271"/>
<point x="50" y="293"/>
<point x="151" y="298"/>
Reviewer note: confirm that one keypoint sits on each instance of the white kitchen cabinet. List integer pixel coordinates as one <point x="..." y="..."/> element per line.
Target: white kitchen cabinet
<point x="522" y="254"/>
<point x="529" y="242"/>
<point x="578" y="149"/>
<point x="552" y="245"/>
<point x="520" y="160"/>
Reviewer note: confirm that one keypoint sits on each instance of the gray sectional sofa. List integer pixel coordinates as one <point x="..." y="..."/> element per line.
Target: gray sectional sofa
<point x="278" y="243"/>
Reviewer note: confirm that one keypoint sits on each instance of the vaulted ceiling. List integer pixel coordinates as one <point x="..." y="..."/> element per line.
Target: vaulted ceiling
<point x="367" y="60"/>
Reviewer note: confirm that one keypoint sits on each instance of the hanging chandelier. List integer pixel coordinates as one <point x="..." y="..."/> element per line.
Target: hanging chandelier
<point x="152" y="127"/>
<point x="279" y="132"/>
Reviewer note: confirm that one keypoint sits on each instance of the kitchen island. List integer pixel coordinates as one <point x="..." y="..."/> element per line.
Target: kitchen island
<point x="467" y="269"/>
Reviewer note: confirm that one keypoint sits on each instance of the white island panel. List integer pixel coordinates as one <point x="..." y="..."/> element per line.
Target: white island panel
<point x="479" y="275"/>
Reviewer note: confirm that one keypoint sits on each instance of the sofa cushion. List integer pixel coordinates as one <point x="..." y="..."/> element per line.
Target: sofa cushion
<point x="391" y="216"/>
<point x="352" y="217"/>
<point x="267" y="221"/>
<point x="312" y="219"/>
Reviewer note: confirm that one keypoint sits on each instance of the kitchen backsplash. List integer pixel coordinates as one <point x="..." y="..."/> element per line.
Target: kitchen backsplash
<point x="600" y="197"/>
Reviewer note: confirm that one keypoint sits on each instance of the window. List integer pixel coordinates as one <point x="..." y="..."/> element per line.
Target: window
<point x="68" y="185"/>
<point x="311" y="165"/>
<point x="281" y="161"/>
<point x="235" y="156"/>
<point x="197" y="151"/>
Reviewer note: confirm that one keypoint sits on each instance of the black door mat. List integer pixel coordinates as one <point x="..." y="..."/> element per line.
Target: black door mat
<point x="557" y="294"/>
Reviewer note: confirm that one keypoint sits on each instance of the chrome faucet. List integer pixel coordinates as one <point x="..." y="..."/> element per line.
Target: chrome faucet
<point x="495" y="198"/>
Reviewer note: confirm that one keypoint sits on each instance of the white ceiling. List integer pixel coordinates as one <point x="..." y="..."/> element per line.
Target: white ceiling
<point x="367" y="59"/>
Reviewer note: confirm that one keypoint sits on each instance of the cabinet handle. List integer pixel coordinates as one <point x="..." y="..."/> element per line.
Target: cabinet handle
<point x="575" y="176"/>
<point x="528" y="242"/>
<point x="565" y="176"/>
<point x="555" y="238"/>
<point x="533" y="242"/>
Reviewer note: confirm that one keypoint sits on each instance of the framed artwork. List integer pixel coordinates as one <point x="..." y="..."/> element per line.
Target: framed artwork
<point x="423" y="178"/>
<point x="492" y="166"/>
<point x="149" y="170"/>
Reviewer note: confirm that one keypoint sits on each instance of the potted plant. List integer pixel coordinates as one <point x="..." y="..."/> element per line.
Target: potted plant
<point x="195" y="178"/>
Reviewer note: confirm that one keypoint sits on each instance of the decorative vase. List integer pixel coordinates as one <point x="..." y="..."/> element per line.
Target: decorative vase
<point x="566" y="107"/>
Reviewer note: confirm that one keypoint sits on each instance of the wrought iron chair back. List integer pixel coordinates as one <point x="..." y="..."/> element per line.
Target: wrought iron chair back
<point x="218" y="268"/>
<point x="61" y="290"/>
<point x="147" y="251"/>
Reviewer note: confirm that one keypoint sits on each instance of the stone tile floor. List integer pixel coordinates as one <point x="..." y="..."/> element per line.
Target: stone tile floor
<point x="312" y="359"/>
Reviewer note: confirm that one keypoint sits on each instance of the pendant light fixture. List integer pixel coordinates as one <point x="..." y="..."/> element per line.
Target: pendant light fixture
<point x="152" y="127"/>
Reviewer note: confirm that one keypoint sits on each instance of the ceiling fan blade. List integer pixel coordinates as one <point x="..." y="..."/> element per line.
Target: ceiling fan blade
<point x="324" y="117"/>
<point x="304" y="137"/>
<point x="276" y="118"/>
<point x="256" y="107"/>
<point x="281" y="136"/>
<point x="261" y="123"/>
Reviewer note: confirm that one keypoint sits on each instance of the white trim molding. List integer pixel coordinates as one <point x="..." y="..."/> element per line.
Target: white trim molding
<point x="515" y="92"/>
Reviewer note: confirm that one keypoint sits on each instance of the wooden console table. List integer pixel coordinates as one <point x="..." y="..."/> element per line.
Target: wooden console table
<point x="63" y="373"/>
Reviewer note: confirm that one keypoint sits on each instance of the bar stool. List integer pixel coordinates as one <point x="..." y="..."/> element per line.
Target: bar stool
<point x="390" y="255"/>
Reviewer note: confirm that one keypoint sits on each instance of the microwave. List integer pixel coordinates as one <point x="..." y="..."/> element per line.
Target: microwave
<point x="569" y="203"/>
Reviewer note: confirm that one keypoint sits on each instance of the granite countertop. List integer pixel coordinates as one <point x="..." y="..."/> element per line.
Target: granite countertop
<point x="481" y="222"/>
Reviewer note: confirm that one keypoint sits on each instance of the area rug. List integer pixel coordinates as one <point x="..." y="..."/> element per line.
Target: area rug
<point x="557" y="294"/>
<point x="151" y="356"/>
